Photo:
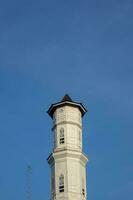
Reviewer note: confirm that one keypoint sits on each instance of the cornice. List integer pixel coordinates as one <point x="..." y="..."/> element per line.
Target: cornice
<point x="66" y="122"/>
<point x="53" y="107"/>
<point x="55" y="156"/>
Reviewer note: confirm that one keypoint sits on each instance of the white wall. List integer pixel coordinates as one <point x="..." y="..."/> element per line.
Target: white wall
<point x="67" y="158"/>
<point x="70" y="119"/>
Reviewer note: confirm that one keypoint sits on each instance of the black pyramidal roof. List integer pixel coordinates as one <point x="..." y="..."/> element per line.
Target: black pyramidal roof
<point x="66" y="100"/>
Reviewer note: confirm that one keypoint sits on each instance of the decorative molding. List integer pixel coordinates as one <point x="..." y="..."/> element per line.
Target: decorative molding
<point x="66" y="122"/>
<point x="67" y="154"/>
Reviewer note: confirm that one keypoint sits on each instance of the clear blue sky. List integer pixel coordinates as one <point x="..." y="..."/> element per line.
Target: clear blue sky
<point x="80" y="47"/>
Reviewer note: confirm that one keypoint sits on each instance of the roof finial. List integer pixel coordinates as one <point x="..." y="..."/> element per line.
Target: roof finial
<point x="66" y="98"/>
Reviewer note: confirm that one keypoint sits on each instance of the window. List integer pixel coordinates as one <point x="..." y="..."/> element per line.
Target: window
<point x="52" y="184"/>
<point x="54" y="117"/>
<point x="61" y="183"/>
<point x="79" y="139"/>
<point x="62" y="140"/>
<point x="83" y="186"/>
<point x="55" y="138"/>
<point x="61" y="114"/>
<point x="79" y="116"/>
<point x="79" y="136"/>
<point x="83" y="191"/>
<point x="61" y="110"/>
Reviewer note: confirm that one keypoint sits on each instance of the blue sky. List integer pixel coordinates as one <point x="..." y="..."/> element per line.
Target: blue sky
<point x="47" y="49"/>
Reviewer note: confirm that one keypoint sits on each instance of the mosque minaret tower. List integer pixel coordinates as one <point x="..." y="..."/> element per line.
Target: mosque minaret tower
<point x="67" y="160"/>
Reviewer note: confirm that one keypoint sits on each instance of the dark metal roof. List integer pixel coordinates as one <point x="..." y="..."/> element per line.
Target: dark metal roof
<point x="66" y="101"/>
<point x="66" y="98"/>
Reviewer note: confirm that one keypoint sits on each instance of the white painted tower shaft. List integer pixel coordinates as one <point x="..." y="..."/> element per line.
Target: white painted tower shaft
<point x="67" y="161"/>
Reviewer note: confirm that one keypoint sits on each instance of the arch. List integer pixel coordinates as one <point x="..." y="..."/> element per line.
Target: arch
<point x="83" y="187"/>
<point x="54" y="117"/>
<point x="61" y="183"/>
<point x="55" y="138"/>
<point x="61" y="114"/>
<point x="52" y="184"/>
<point x="61" y="110"/>
<point x="62" y="139"/>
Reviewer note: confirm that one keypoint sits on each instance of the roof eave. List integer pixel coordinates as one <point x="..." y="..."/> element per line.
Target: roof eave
<point x="59" y="104"/>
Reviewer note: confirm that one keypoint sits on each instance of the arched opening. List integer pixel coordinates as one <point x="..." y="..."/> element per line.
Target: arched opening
<point x="83" y="187"/>
<point x="61" y="183"/>
<point x="62" y="139"/>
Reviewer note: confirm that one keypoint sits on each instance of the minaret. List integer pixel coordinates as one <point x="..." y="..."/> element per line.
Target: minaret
<point x="67" y="161"/>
